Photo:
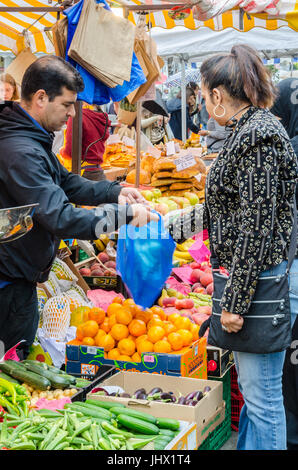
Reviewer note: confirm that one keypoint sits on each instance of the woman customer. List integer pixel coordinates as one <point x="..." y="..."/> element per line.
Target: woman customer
<point x="8" y="88"/>
<point x="250" y="192"/>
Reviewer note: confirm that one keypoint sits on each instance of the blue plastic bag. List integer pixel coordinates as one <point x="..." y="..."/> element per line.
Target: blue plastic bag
<point x="95" y="91"/>
<point x="144" y="260"/>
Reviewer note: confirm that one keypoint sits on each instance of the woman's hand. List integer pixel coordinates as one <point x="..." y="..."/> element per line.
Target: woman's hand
<point x="203" y="132"/>
<point x="131" y="196"/>
<point x="231" y="322"/>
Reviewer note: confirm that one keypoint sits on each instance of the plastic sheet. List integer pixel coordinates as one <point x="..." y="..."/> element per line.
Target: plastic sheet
<point x="144" y="260"/>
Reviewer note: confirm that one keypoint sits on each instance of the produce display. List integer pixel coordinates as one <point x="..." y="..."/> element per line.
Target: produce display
<point x="34" y="380"/>
<point x="105" y="266"/>
<point x="193" y="141"/>
<point x="125" y="331"/>
<point x="86" y="426"/>
<point x="166" y="204"/>
<point x="118" y="155"/>
<point x="157" y="394"/>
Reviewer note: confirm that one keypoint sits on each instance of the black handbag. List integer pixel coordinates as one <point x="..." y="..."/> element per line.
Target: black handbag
<point x="267" y="324"/>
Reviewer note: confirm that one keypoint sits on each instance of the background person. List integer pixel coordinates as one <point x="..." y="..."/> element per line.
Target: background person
<point x="239" y="208"/>
<point x="215" y="136"/>
<point x="33" y="174"/>
<point x="8" y="88"/>
<point x="174" y="108"/>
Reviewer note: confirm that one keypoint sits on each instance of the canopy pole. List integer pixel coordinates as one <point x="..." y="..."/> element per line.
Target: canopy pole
<point x="138" y="143"/>
<point x="77" y="131"/>
<point x="183" y="100"/>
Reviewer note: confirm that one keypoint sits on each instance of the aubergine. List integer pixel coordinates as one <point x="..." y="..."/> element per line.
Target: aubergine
<point x="206" y="389"/>
<point x="193" y="403"/>
<point x="142" y="396"/>
<point x="198" y="396"/>
<point x="190" y="395"/>
<point x="138" y="392"/>
<point x="181" y="401"/>
<point x="154" y="391"/>
<point x="125" y="395"/>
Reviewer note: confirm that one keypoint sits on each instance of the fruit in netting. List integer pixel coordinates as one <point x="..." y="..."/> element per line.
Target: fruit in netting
<point x="162" y="346"/>
<point x="155" y="333"/>
<point x="175" y="341"/>
<point x="137" y="327"/>
<point x="90" y="328"/>
<point x="79" y="315"/>
<point x="119" y="331"/>
<point x="126" y="346"/>
<point x="97" y="314"/>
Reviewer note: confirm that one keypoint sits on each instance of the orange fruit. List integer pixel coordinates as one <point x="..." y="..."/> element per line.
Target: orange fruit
<point x="98" y="337"/>
<point x="105" y="325"/>
<point x="113" y="308"/>
<point x="156" y="333"/>
<point x="118" y="300"/>
<point x="145" y="346"/>
<point x="97" y="314"/>
<point x="90" y="328"/>
<point x="169" y="327"/>
<point x="137" y="327"/>
<point x="123" y="316"/>
<point x="155" y="321"/>
<point x="183" y="323"/>
<point x="136" y="357"/>
<point x="112" y="320"/>
<point x="128" y="302"/>
<point x="124" y="357"/>
<point x="158" y="311"/>
<point x="119" y="331"/>
<point x="140" y="338"/>
<point x="186" y="336"/>
<point x="114" y="354"/>
<point x="107" y="342"/>
<point x="162" y="346"/>
<point x="88" y="341"/>
<point x="175" y="341"/>
<point x="173" y="317"/>
<point x="144" y="315"/>
<point x="80" y="334"/>
<point x="194" y="329"/>
<point x="126" y="346"/>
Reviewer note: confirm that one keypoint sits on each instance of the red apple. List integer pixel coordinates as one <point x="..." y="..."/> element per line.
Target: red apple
<point x="85" y="271"/>
<point x="200" y="290"/>
<point x="195" y="275"/>
<point x="194" y="286"/>
<point x="206" y="279"/>
<point x="103" y="257"/>
<point x="209" y="289"/>
<point x="195" y="265"/>
<point x="95" y="266"/>
<point x="110" y="264"/>
<point x="97" y="272"/>
<point x="169" y="301"/>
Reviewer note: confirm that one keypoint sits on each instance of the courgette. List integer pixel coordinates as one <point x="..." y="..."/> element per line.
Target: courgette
<point x="87" y="411"/>
<point x="56" y="380"/>
<point x="87" y="406"/>
<point x="104" y="404"/>
<point x="136" y="424"/>
<point x="9" y="378"/>
<point x="72" y="380"/>
<point x="21" y="373"/>
<point x="134" y="413"/>
<point x="168" y="423"/>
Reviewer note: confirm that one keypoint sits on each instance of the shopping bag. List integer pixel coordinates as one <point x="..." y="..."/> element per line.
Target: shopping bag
<point x="144" y="260"/>
<point x="59" y="34"/>
<point x="103" y="44"/>
<point x="19" y="65"/>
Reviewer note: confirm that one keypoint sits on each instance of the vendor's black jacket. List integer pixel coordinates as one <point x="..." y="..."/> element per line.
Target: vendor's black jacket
<point x="31" y="173"/>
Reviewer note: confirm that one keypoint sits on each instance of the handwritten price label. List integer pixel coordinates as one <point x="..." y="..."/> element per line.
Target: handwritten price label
<point x="183" y="163"/>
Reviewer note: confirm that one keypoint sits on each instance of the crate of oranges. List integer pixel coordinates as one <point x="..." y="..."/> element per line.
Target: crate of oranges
<point x="137" y="339"/>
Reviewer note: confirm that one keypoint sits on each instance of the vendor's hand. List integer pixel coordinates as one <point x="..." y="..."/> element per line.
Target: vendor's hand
<point x="203" y="132"/>
<point x="142" y="215"/>
<point x="232" y="322"/>
<point x="131" y="196"/>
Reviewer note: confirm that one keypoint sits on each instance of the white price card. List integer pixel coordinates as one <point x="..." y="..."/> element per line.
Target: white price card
<point x="113" y="139"/>
<point x="128" y="141"/>
<point x="185" y="162"/>
<point x="154" y="152"/>
<point x="170" y="147"/>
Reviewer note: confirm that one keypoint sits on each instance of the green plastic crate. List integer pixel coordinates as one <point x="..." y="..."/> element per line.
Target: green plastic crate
<point x="223" y="431"/>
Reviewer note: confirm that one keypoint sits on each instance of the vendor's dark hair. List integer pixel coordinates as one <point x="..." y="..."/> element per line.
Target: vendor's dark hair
<point x="50" y="73"/>
<point x="193" y="85"/>
<point x="242" y="74"/>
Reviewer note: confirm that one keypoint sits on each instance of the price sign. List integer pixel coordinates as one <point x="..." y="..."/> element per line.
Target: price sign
<point x="154" y="152"/>
<point x="170" y="147"/>
<point x="113" y="139"/>
<point x="183" y="163"/>
<point x="128" y="141"/>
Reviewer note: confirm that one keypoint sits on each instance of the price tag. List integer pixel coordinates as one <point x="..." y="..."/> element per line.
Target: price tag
<point x="128" y="141"/>
<point x="154" y="152"/>
<point x="183" y="163"/>
<point x="113" y="139"/>
<point x="170" y="148"/>
<point x="198" y="177"/>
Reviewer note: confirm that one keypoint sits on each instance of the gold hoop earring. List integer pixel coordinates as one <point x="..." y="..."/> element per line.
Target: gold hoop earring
<point x="217" y="115"/>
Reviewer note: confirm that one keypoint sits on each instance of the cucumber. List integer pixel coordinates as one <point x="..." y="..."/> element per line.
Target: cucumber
<point x="134" y="413"/>
<point x="138" y="425"/>
<point x="22" y="374"/>
<point x="104" y="404"/>
<point x="167" y="432"/>
<point x="54" y="370"/>
<point x="56" y="380"/>
<point x="9" y="379"/>
<point x="168" y="423"/>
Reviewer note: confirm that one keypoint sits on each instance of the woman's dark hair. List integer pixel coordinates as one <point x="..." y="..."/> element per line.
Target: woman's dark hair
<point x="50" y="73"/>
<point x="189" y="93"/>
<point x="242" y="74"/>
<point x="7" y="78"/>
<point x="193" y="85"/>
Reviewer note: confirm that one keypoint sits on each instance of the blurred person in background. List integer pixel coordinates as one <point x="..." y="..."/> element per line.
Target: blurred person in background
<point x="215" y="136"/>
<point x="8" y="88"/>
<point x="174" y="106"/>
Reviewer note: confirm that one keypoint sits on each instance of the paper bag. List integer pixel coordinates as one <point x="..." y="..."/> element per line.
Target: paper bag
<point x="19" y="65"/>
<point x="59" y="34"/>
<point x="103" y="44"/>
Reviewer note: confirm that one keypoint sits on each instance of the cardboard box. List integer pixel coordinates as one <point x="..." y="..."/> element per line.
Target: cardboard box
<point x="83" y="360"/>
<point x="100" y="282"/>
<point x="207" y="414"/>
<point x="219" y="361"/>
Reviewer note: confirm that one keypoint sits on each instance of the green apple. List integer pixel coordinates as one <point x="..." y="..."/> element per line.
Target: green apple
<point x="192" y="197"/>
<point x="147" y="194"/>
<point x="156" y="193"/>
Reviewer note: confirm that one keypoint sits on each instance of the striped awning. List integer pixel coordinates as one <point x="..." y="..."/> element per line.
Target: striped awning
<point x="232" y="19"/>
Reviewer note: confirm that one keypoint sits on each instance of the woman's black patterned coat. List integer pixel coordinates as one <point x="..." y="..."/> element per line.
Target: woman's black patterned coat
<point x="249" y="203"/>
